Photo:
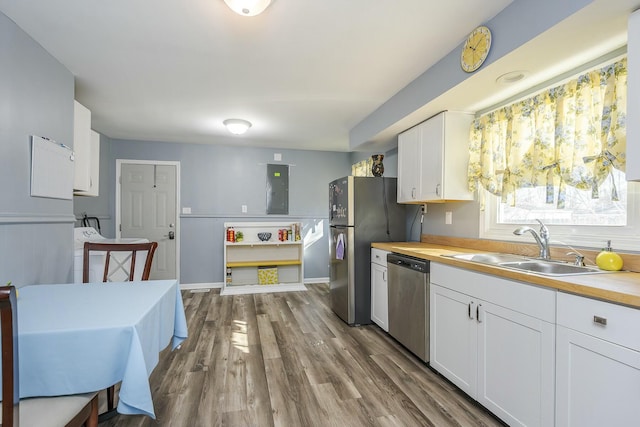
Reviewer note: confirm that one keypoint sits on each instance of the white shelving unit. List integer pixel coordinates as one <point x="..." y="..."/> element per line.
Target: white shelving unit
<point x="243" y="259"/>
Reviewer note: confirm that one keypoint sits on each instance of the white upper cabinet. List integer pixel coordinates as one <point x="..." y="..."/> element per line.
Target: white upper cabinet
<point x="81" y="147"/>
<point x="433" y="158"/>
<point x="633" y="98"/>
<point x="409" y="165"/>
<point x="94" y="167"/>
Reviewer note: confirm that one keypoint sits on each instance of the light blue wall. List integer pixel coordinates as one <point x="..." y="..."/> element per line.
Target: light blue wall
<point x="518" y="23"/>
<point x="215" y="181"/>
<point x="36" y="98"/>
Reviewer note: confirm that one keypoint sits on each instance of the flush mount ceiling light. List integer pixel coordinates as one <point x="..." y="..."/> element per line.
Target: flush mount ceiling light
<point x="512" y="77"/>
<point x="237" y="126"/>
<point x="248" y="7"/>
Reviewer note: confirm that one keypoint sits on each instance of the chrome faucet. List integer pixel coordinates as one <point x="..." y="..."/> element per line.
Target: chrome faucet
<point x="542" y="239"/>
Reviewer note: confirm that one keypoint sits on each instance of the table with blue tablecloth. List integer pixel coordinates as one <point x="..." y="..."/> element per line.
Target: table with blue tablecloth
<point x="77" y="338"/>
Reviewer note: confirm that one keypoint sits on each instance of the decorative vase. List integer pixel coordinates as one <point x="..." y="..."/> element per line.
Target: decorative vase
<point x="377" y="169"/>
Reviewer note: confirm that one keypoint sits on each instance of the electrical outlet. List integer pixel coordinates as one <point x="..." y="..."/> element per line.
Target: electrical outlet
<point x="244" y="208"/>
<point x="186" y="210"/>
<point x="424" y="208"/>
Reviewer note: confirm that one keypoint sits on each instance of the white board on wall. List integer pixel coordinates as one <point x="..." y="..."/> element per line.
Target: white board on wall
<point x="51" y="169"/>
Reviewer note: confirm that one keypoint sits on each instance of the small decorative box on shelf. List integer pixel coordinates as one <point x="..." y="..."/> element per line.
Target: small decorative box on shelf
<point x="263" y="257"/>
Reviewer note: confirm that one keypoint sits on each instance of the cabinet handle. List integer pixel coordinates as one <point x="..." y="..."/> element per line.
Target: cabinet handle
<point x="600" y="320"/>
<point x="470" y="312"/>
<point x="384" y="276"/>
<point x="413" y="193"/>
<point x="478" y="313"/>
<point x="438" y="190"/>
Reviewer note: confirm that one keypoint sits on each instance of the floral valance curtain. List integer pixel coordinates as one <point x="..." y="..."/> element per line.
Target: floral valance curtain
<point x="572" y="134"/>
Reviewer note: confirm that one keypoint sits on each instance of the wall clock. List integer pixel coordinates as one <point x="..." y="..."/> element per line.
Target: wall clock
<point x="475" y="49"/>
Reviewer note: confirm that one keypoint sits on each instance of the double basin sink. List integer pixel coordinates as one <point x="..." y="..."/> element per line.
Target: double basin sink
<point x="531" y="265"/>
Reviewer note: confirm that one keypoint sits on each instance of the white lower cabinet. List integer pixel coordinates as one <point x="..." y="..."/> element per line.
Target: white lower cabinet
<point x="379" y="289"/>
<point x="495" y="339"/>
<point x="516" y="365"/>
<point x="454" y="337"/>
<point x="598" y="363"/>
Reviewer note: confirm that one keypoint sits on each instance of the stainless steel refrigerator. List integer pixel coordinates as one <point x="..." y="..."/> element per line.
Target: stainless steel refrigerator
<point x="362" y="210"/>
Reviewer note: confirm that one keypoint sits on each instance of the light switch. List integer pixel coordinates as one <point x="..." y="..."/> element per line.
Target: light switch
<point x="448" y="217"/>
<point x="244" y="208"/>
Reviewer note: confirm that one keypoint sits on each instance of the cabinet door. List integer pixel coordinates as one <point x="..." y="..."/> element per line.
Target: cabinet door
<point x="431" y="141"/>
<point x="598" y="382"/>
<point x="516" y="355"/>
<point x="408" y="165"/>
<point x="379" y="296"/>
<point x="94" y="167"/>
<point x="633" y="98"/>
<point x="81" y="147"/>
<point x="454" y="337"/>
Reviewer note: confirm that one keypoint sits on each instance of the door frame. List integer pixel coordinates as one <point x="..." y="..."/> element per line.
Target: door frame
<point x="119" y="163"/>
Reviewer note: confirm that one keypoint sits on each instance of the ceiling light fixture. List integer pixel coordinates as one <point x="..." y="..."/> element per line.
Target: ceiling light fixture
<point x="511" y="77"/>
<point x="248" y="7"/>
<point x="237" y="126"/>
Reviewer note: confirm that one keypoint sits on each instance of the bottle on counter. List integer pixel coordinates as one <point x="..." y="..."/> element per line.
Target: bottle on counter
<point x="608" y="259"/>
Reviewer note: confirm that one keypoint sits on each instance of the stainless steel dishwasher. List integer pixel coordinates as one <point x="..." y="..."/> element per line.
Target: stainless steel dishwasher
<point x="408" y="287"/>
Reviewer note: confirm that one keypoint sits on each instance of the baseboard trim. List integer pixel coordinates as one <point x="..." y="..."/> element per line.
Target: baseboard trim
<point x="313" y="280"/>
<point x="218" y="285"/>
<point x="191" y="286"/>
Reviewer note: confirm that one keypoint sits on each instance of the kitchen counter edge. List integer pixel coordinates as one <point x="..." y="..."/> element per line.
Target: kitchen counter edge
<point x="617" y="287"/>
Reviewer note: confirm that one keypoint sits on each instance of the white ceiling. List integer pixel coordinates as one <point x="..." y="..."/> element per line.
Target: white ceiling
<point x="304" y="72"/>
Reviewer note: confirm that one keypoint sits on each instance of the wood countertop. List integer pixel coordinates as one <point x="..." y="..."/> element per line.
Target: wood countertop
<point x="621" y="287"/>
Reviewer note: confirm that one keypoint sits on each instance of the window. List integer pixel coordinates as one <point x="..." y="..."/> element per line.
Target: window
<point x="559" y="156"/>
<point x="498" y="220"/>
<point x="580" y="206"/>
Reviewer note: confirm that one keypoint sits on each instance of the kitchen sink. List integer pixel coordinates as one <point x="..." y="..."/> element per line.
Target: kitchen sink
<point x="489" y="258"/>
<point x="531" y="265"/>
<point x="551" y="268"/>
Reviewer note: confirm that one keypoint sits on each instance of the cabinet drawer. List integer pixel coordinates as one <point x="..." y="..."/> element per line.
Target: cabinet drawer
<point x="611" y="322"/>
<point x="379" y="256"/>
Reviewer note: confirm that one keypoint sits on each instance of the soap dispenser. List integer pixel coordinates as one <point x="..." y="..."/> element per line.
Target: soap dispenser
<point x="609" y="260"/>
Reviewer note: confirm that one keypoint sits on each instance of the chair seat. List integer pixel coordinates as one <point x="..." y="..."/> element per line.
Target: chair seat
<point x="51" y="411"/>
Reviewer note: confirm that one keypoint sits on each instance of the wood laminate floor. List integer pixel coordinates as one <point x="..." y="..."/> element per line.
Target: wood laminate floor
<point x="284" y="359"/>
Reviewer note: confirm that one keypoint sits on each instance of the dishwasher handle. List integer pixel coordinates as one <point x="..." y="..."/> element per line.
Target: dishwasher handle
<point x="411" y="263"/>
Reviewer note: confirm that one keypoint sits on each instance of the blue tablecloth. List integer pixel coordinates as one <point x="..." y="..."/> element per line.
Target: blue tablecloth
<point x="77" y="338"/>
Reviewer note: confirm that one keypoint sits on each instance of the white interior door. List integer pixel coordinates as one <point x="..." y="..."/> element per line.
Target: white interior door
<point x="148" y="207"/>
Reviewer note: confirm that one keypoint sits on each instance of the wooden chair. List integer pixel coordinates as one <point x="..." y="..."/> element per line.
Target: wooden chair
<point x="74" y="410"/>
<point x="91" y="221"/>
<point x="123" y="255"/>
